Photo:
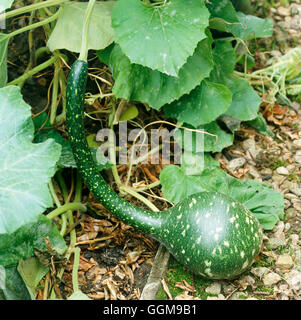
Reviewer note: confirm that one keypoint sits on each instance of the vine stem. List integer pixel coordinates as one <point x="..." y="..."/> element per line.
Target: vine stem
<point x="36" y="25"/>
<point x="33" y="71"/>
<point x="54" y="101"/>
<point x="84" y="45"/>
<point x="75" y="269"/>
<point x="138" y="196"/>
<point x="53" y="194"/>
<point x="35" y="6"/>
<point x="66" y="207"/>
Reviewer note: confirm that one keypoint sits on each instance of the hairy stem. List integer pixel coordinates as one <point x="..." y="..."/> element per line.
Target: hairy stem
<point x="37" y="24"/>
<point x="33" y="71"/>
<point x="138" y="196"/>
<point x="69" y="206"/>
<point x="75" y="269"/>
<point x="84" y="45"/>
<point x="55" y="86"/>
<point x="35" y="6"/>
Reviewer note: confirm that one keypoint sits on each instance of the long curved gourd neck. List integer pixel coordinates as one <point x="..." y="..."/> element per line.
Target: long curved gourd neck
<point x="146" y="221"/>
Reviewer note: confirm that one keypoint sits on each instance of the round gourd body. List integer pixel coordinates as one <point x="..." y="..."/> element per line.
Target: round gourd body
<point x="213" y="235"/>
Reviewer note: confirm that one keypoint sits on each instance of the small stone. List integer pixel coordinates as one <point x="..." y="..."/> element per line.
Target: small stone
<point x="284" y="297"/>
<point x="266" y="177"/>
<point x="295" y="9"/>
<point x="297" y="256"/>
<point x="282" y="171"/>
<point x="215" y="288"/>
<point x="291" y="213"/>
<point x="277" y="178"/>
<point x="297" y="142"/>
<point x="259" y="271"/>
<point x="275" y="243"/>
<point x="284" y="261"/>
<point x="266" y="171"/>
<point x="293" y="279"/>
<point x="254" y="173"/>
<point x="236" y="163"/>
<point x="290" y="196"/>
<point x="287" y="203"/>
<point x="294" y="188"/>
<point x="291" y="167"/>
<point x="278" y="229"/>
<point x="282" y="11"/>
<point x="239" y="296"/>
<point x="250" y="280"/>
<point x="219" y="297"/>
<point x="297" y="205"/>
<point x="297" y="157"/>
<point x="287" y="226"/>
<point x="271" y="279"/>
<point x="294" y="239"/>
<point x="228" y="288"/>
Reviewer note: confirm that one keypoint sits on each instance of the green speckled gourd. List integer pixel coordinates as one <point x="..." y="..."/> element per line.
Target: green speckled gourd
<point x="209" y="233"/>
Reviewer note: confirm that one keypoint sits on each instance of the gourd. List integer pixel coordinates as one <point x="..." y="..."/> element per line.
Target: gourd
<point x="210" y="233"/>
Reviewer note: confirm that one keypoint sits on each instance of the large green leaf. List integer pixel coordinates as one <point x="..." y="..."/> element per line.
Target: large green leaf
<point x="260" y="124"/>
<point x="32" y="271"/>
<point x="25" y="168"/>
<point x="251" y="27"/>
<point x="176" y="185"/>
<point x="22" y="243"/>
<point x="223" y="51"/>
<point x="209" y="138"/>
<point x="194" y="163"/>
<point x="5" y="4"/>
<point x="135" y="82"/>
<point x="264" y="202"/>
<point x="160" y="37"/>
<point x="44" y="131"/>
<point x="22" y="273"/>
<point x="14" y="288"/>
<point x="245" y="100"/>
<point x="67" y="33"/>
<point x="203" y="105"/>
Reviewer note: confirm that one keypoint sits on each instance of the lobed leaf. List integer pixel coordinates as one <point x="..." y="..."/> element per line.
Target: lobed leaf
<point x="264" y="202"/>
<point x="202" y="105"/>
<point x="67" y="33"/>
<point x="135" y="82"/>
<point x="169" y="32"/>
<point x="25" y="168"/>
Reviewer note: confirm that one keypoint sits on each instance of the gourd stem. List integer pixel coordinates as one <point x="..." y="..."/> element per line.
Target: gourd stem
<point x="84" y="45"/>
